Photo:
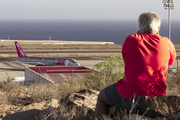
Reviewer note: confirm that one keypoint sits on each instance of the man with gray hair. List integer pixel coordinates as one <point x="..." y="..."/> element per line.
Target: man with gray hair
<point x="146" y="56"/>
<point x="149" y="23"/>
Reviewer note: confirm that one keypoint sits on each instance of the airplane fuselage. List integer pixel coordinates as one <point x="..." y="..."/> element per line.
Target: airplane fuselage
<point x="41" y="61"/>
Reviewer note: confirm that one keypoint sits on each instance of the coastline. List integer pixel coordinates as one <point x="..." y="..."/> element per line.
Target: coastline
<point x="57" y="42"/>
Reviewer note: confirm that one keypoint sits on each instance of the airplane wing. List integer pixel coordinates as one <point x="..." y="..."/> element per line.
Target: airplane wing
<point x="39" y="63"/>
<point x="44" y="64"/>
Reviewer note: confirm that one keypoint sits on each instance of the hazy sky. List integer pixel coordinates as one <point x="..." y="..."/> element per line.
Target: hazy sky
<point x="83" y="9"/>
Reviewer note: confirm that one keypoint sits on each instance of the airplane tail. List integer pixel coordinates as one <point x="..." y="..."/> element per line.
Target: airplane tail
<point x="20" y="52"/>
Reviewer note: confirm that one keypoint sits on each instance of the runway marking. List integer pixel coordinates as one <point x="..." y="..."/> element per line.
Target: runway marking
<point x="14" y="65"/>
<point x="18" y="63"/>
<point x="5" y="65"/>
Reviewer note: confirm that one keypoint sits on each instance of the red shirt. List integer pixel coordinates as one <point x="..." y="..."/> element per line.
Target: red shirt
<point x="146" y="59"/>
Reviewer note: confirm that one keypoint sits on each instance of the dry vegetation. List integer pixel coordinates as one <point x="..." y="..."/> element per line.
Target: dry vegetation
<point x="173" y="83"/>
<point x="16" y="95"/>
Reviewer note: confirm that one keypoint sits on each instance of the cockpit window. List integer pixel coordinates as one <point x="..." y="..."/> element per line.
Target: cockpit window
<point x="74" y="61"/>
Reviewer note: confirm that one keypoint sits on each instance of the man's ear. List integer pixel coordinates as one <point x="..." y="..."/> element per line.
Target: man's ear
<point x="158" y="30"/>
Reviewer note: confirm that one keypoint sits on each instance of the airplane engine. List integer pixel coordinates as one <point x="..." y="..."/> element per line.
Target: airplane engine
<point x="67" y="63"/>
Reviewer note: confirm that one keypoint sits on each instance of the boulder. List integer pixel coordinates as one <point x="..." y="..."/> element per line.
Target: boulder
<point x="28" y="112"/>
<point x="155" y="107"/>
<point x="83" y="98"/>
<point x="84" y="102"/>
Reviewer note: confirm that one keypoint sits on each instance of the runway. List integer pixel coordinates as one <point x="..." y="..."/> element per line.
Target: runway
<point x="9" y="68"/>
<point x="56" y="51"/>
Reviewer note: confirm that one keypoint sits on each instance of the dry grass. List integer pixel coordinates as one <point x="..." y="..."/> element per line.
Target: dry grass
<point x="63" y="113"/>
<point x="173" y="83"/>
<point x="13" y="93"/>
<point x="3" y="98"/>
<point x="16" y="93"/>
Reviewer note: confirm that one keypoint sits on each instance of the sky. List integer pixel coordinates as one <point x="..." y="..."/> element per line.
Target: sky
<point x="83" y="9"/>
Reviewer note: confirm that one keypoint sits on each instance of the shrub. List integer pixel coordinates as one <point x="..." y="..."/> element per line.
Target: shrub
<point x="107" y="72"/>
<point x="5" y="83"/>
<point x="11" y="91"/>
<point x="3" y="98"/>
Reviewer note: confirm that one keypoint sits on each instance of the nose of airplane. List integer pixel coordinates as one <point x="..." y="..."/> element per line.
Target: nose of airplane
<point x="77" y="64"/>
<point x="73" y="64"/>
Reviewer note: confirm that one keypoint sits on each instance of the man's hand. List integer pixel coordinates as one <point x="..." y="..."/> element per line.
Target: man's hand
<point x="112" y="111"/>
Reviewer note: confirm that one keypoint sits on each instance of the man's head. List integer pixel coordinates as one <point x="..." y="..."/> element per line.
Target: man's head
<point x="149" y="22"/>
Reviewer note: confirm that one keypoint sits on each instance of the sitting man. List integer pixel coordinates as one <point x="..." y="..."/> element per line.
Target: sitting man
<point x="146" y="56"/>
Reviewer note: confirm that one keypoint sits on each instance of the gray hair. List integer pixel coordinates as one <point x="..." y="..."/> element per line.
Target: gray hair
<point x="149" y="22"/>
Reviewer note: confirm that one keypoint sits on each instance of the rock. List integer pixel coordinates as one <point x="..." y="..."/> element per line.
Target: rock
<point x="28" y="112"/>
<point x="158" y="106"/>
<point x="84" y="101"/>
<point x="42" y="105"/>
<point x="83" y="98"/>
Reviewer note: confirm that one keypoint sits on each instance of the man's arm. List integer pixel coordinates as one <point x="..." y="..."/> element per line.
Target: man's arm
<point x="173" y="54"/>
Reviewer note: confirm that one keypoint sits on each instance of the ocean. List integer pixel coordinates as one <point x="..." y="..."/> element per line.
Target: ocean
<point x="79" y="30"/>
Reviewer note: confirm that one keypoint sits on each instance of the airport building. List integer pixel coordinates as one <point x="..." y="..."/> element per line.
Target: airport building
<point x="53" y="74"/>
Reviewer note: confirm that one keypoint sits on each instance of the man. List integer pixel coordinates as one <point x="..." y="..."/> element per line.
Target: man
<point x="146" y="56"/>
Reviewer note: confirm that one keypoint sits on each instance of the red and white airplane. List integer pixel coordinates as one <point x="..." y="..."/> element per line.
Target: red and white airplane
<point x="43" y="61"/>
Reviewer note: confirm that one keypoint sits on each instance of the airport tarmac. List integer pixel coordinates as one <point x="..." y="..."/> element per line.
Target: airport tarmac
<point x="13" y="69"/>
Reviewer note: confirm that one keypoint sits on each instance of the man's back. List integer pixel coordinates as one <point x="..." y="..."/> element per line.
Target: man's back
<point x="146" y="59"/>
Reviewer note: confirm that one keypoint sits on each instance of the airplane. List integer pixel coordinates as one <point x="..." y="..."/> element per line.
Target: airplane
<point x="43" y="61"/>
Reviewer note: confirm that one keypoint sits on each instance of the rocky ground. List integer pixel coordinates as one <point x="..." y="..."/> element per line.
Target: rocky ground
<point x="155" y="108"/>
